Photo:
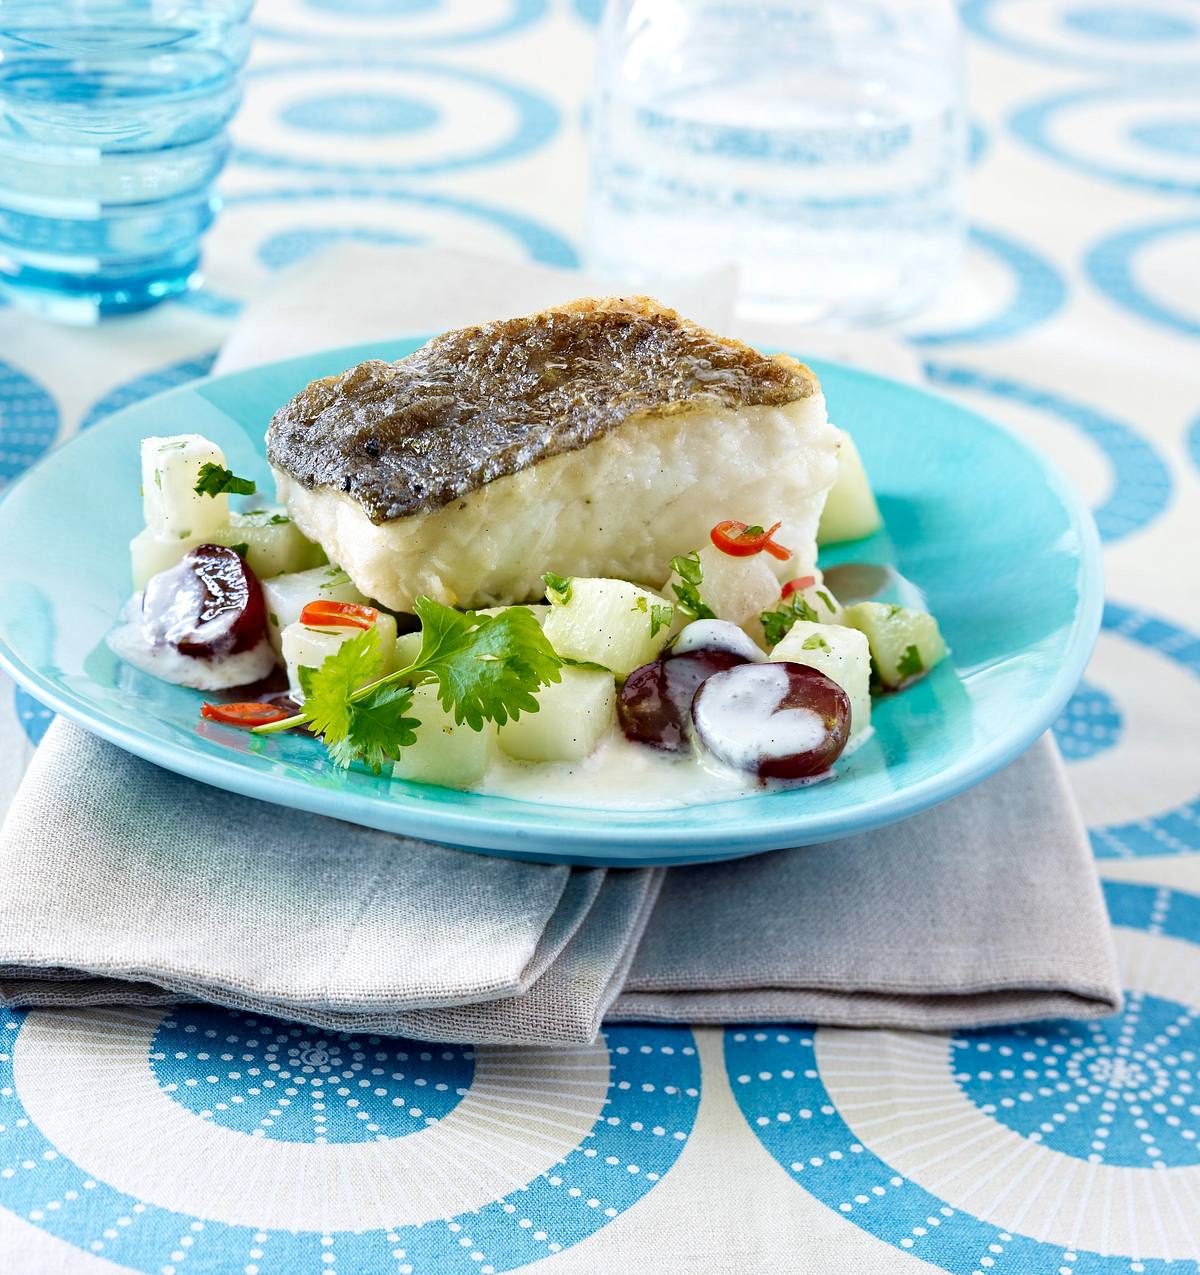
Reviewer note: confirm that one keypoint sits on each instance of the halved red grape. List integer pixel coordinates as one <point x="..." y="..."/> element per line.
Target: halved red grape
<point x="210" y="605"/>
<point x="654" y="706"/>
<point x="777" y="720"/>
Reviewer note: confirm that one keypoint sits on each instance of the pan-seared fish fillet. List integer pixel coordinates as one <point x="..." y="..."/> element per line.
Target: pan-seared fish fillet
<point x="599" y="438"/>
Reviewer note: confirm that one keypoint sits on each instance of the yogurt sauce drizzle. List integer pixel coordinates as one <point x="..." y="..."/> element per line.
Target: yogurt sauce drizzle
<point x="737" y="716"/>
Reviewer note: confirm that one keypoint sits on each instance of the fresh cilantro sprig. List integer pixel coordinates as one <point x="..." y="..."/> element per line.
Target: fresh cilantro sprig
<point x="487" y="669"/>
<point x="910" y="663"/>
<point x="778" y="624"/>
<point x="661" y="613"/>
<point x="215" y="480"/>
<point x="690" y="571"/>
<point x="558" y="588"/>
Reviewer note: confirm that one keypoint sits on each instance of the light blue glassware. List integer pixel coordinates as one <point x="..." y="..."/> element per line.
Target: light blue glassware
<point x="818" y="145"/>
<point x="112" y="133"/>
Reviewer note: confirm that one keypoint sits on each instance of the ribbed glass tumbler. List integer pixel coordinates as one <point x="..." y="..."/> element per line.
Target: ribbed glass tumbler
<point x="113" y="118"/>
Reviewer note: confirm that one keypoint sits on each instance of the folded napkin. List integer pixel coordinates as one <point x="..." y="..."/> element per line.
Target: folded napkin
<point x="127" y="884"/>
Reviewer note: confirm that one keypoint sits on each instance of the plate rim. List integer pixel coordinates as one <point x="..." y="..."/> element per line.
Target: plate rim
<point x="632" y="843"/>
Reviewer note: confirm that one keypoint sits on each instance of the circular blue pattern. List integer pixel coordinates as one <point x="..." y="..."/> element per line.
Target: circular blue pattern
<point x="1122" y="1091"/>
<point x="274" y="1080"/>
<point x="1123" y="23"/>
<point x="776" y="1080"/>
<point x="537" y="121"/>
<point x="287" y="247"/>
<point x="522" y="14"/>
<point x="1038" y="295"/>
<point x="146" y="385"/>
<point x="653" y="1093"/>
<point x="377" y="114"/>
<point x="28" y="421"/>
<point x="1110" y="264"/>
<point x="34" y="716"/>
<point x="1193" y="442"/>
<point x="1032" y="124"/>
<point x="1171" y="137"/>
<point x="589" y="10"/>
<point x="1089" y="724"/>
<point x="1119" y="38"/>
<point x="1174" y="831"/>
<point x="1141" y="480"/>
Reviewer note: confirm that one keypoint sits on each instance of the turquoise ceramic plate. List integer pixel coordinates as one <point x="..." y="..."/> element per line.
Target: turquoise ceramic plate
<point x="1000" y="546"/>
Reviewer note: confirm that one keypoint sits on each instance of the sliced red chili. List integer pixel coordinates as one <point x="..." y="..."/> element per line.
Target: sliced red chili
<point x="797" y="585"/>
<point x="740" y="541"/>
<point x="323" y="613"/>
<point x="246" y="715"/>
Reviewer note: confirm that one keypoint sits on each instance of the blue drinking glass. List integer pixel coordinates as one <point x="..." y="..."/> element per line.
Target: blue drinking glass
<point x="113" y="118"/>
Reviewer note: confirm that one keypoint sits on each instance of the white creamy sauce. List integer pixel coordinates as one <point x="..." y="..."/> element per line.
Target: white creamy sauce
<point x="717" y="635"/>
<point x="130" y="644"/>
<point x="619" y="775"/>
<point x="736" y="716"/>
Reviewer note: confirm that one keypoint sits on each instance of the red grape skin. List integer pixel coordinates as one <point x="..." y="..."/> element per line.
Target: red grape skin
<point x="208" y="606"/>
<point x="805" y="688"/>
<point x="654" y="706"/>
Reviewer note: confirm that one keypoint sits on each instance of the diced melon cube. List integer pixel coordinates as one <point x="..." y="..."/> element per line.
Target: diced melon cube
<point x="840" y="653"/>
<point x="306" y="646"/>
<point x="287" y="595"/>
<point x="444" y="752"/>
<point x="850" y="510"/>
<point x="274" y="544"/>
<point x="573" y="716"/>
<point x="170" y="470"/>
<point x="904" y="644"/>
<point x="609" y="622"/>
<point x="408" y="647"/>
<point x="149" y="554"/>
<point x="737" y="589"/>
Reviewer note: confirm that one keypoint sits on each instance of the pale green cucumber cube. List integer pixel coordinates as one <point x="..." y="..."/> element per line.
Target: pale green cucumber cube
<point x="611" y="623"/>
<point x="274" y="544"/>
<point x="904" y="644"/>
<point x="850" y="510"/>
<point x="573" y="717"/>
<point x="173" y="509"/>
<point x="735" y="589"/>
<point x="445" y="753"/>
<point x="840" y="653"/>
<point x="309" y="646"/>
<point x="287" y="595"/>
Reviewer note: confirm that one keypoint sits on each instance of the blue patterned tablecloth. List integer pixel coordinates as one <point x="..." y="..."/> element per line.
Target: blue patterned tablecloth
<point x="205" y="1141"/>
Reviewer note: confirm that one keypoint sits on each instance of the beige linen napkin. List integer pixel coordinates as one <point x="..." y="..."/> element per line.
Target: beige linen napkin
<point x="124" y="883"/>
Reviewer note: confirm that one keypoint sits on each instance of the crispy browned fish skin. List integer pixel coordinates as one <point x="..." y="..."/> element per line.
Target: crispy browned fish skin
<point x="479" y="403"/>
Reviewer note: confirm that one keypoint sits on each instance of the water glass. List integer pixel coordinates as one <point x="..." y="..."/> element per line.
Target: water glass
<point x="112" y="132"/>
<point x="818" y="145"/>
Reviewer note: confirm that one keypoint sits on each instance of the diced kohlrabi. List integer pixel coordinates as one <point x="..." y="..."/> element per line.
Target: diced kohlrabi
<point x="850" y="510"/>
<point x="734" y="589"/>
<point x="287" y="595"/>
<point x="308" y="646"/>
<point x="573" y="716"/>
<point x="609" y="622"/>
<point x="274" y="544"/>
<point x="174" y="510"/>
<point x="444" y="752"/>
<point x="842" y="655"/>
<point x="905" y="644"/>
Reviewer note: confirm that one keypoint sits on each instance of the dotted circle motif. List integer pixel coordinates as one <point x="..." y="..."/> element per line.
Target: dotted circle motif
<point x="1089" y="724"/>
<point x="146" y="385"/>
<point x="287" y="247"/>
<point x="380" y="114"/>
<point x="648" y="1114"/>
<point x="28" y="421"/>
<point x="297" y="1084"/>
<point x="1111" y="264"/>
<point x="390" y="20"/>
<point x="1141" y="488"/>
<point x="1137" y="1069"/>
<point x="1123" y="1091"/>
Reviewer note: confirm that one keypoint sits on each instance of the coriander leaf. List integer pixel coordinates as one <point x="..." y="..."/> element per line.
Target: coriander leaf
<point x="327" y="689"/>
<point x="278" y="520"/>
<point x="661" y="615"/>
<point x="214" y="480"/>
<point x="690" y="571"/>
<point x="377" y="728"/>
<point x="910" y="663"/>
<point x="641" y="604"/>
<point x="487" y="667"/>
<point x="814" y="643"/>
<point x="585" y="664"/>
<point x="241" y="549"/>
<point x="827" y="599"/>
<point x="558" y="588"/>
<point x="778" y="624"/>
